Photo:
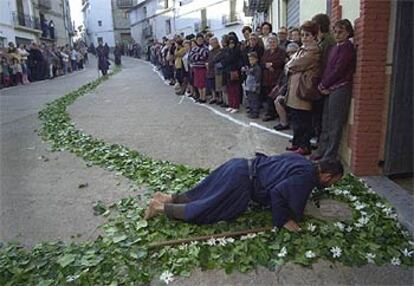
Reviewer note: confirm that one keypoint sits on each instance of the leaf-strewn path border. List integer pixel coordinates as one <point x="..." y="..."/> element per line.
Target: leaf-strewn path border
<point x="121" y="256"/>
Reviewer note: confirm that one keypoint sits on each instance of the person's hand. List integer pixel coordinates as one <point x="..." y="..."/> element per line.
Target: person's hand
<point x="292" y="226"/>
<point x="243" y="69"/>
<point x="268" y="65"/>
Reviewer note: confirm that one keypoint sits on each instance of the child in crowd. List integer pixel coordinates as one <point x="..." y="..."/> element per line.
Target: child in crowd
<point x="17" y="72"/>
<point x="6" y="72"/>
<point x="252" y="85"/>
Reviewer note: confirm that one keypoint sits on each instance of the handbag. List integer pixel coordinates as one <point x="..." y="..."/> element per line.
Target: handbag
<point x="308" y="88"/>
<point x="274" y="93"/>
<point x="234" y="75"/>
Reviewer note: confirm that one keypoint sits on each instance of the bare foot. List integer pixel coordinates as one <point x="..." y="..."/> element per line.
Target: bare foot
<point x="162" y="198"/>
<point x="155" y="207"/>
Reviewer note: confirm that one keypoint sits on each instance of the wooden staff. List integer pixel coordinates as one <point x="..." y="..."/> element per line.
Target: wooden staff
<point x="207" y="237"/>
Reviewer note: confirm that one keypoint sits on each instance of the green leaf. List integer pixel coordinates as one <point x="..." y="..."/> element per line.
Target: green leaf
<point x="66" y="260"/>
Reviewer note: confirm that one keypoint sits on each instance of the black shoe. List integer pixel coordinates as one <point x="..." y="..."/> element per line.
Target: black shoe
<point x="253" y="116"/>
<point x="281" y="127"/>
<point x="268" y="118"/>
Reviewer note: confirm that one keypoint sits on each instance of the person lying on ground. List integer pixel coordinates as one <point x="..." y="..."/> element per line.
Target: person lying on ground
<point x="282" y="182"/>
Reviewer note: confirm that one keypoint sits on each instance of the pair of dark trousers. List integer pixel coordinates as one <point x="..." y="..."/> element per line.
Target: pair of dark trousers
<point x="335" y="113"/>
<point x="270" y="106"/>
<point x="254" y="102"/>
<point x="302" y="127"/>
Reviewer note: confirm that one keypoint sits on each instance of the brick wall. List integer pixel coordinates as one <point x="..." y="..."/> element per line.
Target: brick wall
<point x="336" y="11"/>
<point x="369" y="91"/>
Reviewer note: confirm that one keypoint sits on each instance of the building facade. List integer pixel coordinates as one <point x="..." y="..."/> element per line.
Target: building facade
<point x="154" y="19"/>
<point x="122" y="29"/>
<point x="25" y="21"/>
<point x="107" y="20"/>
<point x="377" y="139"/>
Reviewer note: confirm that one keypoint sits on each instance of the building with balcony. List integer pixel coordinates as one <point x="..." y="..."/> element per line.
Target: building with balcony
<point x="155" y="19"/>
<point x="19" y="22"/>
<point x="55" y="21"/>
<point x="25" y="21"/>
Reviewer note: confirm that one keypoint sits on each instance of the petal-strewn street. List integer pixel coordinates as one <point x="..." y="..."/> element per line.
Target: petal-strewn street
<point x="48" y="196"/>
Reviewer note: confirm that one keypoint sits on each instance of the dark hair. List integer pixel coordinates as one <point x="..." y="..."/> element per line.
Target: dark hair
<point x="234" y="39"/>
<point x="310" y="27"/>
<point x="346" y="24"/>
<point x="234" y="35"/>
<point x="331" y="166"/>
<point x="253" y="55"/>
<point x="247" y="28"/>
<point x="323" y="22"/>
<point x="267" y="23"/>
<point x="190" y="37"/>
<point x="199" y="35"/>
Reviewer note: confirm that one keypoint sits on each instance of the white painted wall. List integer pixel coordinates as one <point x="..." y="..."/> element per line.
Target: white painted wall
<point x="99" y="10"/>
<point x="7" y="30"/>
<point x="350" y="9"/>
<point x="189" y="14"/>
<point x="309" y="8"/>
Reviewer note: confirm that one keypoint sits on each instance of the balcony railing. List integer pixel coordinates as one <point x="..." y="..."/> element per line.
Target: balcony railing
<point x="232" y="19"/>
<point x="21" y="19"/>
<point x="125" y="3"/>
<point x="45" y="4"/>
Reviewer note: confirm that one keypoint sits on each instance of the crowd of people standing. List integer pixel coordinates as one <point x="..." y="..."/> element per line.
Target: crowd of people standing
<point x="28" y="63"/>
<point x="301" y="75"/>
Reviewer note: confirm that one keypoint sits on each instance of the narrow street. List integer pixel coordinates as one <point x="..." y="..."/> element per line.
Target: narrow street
<point x="41" y="197"/>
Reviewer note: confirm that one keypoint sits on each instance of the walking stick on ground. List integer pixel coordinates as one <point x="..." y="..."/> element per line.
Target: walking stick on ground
<point x="207" y="237"/>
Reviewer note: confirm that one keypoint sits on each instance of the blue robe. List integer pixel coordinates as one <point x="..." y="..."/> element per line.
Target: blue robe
<point x="283" y="183"/>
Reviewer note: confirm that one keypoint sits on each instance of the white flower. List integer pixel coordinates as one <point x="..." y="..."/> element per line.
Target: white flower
<point x="310" y="254"/>
<point x="395" y="261"/>
<point x="363" y="220"/>
<point x="340" y="225"/>
<point x="405" y="233"/>
<point x="193" y="243"/>
<point x="348" y="228"/>
<point x="222" y="241"/>
<point x="363" y="213"/>
<point x="183" y="246"/>
<point x="283" y="252"/>
<point x="359" y="206"/>
<point x="358" y="225"/>
<point x="370" y="257"/>
<point x="336" y="251"/>
<point x="248" y="236"/>
<point x="230" y="240"/>
<point x="370" y="191"/>
<point x="274" y="229"/>
<point x="72" y="278"/>
<point x="387" y="211"/>
<point x="337" y="192"/>
<point x="393" y="216"/>
<point x="346" y="192"/>
<point x="380" y="205"/>
<point x="311" y="227"/>
<point x="407" y="253"/>
<point x="353" y="198"/>
<point x="167" y="277"/>
<point x="211" y="241"/>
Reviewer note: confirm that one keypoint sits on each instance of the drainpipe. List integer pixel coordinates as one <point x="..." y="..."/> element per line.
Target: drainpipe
<point x="65" y="24"/>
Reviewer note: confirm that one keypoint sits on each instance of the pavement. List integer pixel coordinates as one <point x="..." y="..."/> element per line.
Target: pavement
<point x="40" y="197"/>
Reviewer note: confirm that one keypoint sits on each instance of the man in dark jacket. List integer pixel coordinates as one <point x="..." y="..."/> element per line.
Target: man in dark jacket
<point x="283" y="183"/>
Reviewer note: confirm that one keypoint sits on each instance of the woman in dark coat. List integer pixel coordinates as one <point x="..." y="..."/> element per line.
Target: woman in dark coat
<point x="118" y="54"/>
<point x="272" y="62"/>
<point x="102" y="53"/>
<point x="232" y="63"/>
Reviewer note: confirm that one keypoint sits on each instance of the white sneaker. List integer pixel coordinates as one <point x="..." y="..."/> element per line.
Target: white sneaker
<point x="234" y="110"/>
<point x="229" y="109"/>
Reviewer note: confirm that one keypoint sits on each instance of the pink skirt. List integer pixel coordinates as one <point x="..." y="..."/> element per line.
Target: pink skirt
<point x="200" y="77"/>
